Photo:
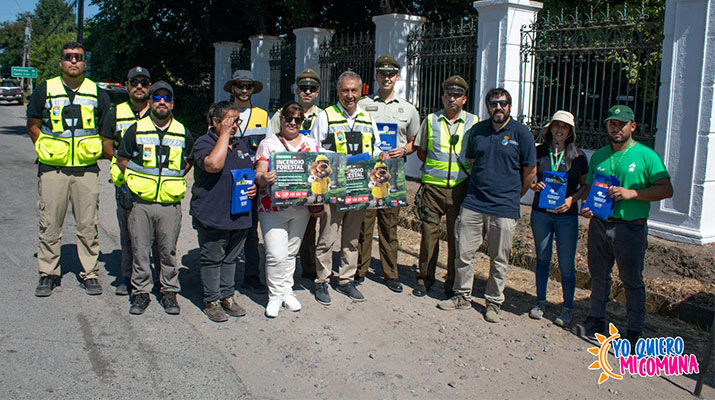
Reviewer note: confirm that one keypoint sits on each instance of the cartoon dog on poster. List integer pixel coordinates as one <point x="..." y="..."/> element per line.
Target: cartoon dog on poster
<point x="380" y="183"/>
<point x="320" y="177"/>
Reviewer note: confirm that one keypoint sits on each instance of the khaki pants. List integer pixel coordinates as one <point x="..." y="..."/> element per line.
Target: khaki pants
<point x="330" y="225"/>
<point x="438" y="201"/>
<point x="125" y="241"/>
<point x="160" y="224"/>
<point x="57" y="189"/>
<point x="499" y="231"/>
<point x="387" y="227"/>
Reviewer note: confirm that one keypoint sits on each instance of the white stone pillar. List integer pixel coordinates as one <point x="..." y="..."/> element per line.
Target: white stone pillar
<point x="260" y="66"/>
<point x="307" y="51"/>
<point x="391" y="32"/>
<point x="686" y="115"/>
<point x="222" y="67"/>
<point x="498" y="58"/>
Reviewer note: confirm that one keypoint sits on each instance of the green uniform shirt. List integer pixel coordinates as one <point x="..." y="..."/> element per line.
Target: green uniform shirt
<point x="637" y="168"/>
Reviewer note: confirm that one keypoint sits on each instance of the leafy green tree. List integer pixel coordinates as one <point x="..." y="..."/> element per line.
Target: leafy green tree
<point x="12" y="36"/>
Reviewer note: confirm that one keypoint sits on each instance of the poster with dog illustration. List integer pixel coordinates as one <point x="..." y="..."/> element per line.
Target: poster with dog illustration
<point x="374" y="184"/>
<point x="307" y="178"/>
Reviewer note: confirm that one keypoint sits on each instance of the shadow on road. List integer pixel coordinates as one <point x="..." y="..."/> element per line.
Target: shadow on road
<point x="13" y="130"/>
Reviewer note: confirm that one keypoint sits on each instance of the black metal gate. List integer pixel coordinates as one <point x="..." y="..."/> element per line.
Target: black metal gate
<point x="585" y="64"/>
<point x="240" y="58"/>
<point x="352" y="51"/>
<point x="282" y="62"/>
<point x="438" y="51"/>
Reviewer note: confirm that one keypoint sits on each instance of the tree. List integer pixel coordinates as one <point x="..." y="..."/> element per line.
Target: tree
<point x="12" y="35"/>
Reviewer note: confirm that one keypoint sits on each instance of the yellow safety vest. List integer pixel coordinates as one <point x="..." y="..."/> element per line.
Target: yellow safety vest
<point x="342" y="138"/>
<point x="69" y="136"/>
<point x="256" y="129"/>
<point x="442" y="167"/>
<point x="155" y="172"/>
<point x="125" y="119"/>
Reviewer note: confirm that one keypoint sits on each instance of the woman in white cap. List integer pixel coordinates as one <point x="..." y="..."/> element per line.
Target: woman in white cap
<point x="558" y="153"/>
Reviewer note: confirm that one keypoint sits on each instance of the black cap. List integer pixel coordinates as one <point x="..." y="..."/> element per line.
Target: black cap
<point x="160" y="85"/>
<point x="138" y="71"/>
<point x="387" y="63"/>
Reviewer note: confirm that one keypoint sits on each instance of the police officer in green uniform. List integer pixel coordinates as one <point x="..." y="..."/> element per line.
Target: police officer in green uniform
<point x="63" y="120"/>
<point x="386" y="106"/>
<point x="154" y="157"/>
<point x="444" y="179"/>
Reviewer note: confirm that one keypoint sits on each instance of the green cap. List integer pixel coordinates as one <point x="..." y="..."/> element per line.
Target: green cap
<point x="455" y="81"/>
<point x="620" y="113"/>
<point x="308" y="75"/>
<point x="387" y="63"/>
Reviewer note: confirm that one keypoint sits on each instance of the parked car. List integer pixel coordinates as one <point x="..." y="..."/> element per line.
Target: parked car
<point x="116" y="91"/>
<point x="10" y="90"/>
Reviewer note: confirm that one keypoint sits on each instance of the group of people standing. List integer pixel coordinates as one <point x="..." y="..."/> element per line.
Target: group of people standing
<point x="474" y="173"/>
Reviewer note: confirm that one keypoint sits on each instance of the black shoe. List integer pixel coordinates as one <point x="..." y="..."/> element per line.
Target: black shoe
<point x="140" y="302"/>
<point x="449" y="293"/>
<point x="322" y="294"/>
<point x="591" y="326"/>
<point x="168" y="301"/>
<point x="394" y="285"/>
<point x="419" y="291"/>
<point x="632" y="337"/>
<point x="45" y="286"/>
<point x="359" y="279"/>
<point x="123" y="288"/>
<point x="351" y="291"/>
<point x="254" y="284"/>
<point x="92" y="287"/>
<point x="308" y="275"/>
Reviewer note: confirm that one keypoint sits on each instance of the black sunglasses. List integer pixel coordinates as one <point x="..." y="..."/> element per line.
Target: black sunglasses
<point x="502" y="103"/>
<point x="78" y="57"/>
<point x="298" y="120"/>
<point x="241" y="86"/>
<point x="157" y="98"/>
<point x="305" y="88"/>
<point x="136" y="82"/>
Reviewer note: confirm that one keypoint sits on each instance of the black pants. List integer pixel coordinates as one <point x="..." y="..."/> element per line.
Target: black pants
<point x="219" y="252"/>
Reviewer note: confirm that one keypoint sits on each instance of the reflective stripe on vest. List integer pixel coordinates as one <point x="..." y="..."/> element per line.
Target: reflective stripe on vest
<point x="156" y="171"/>
<point x="125" y="119"/>
<point x="441" y="166"/>
<point x="68" y="134"/>
<point x="337" y="132"/>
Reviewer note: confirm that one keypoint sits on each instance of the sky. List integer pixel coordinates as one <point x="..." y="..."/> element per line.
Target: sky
<point x="10" y="8"/>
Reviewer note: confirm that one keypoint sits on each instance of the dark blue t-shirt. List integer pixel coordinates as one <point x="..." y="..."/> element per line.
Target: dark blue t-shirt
<point x="211" y="192"/>
<point x="499" y="156"/>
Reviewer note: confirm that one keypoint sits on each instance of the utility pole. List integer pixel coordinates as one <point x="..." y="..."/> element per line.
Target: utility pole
<point x="26" y="50"/>
<point x="80" y="19"/>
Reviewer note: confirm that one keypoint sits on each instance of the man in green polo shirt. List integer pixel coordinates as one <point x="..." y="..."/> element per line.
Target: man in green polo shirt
<point x="623" y="237"/>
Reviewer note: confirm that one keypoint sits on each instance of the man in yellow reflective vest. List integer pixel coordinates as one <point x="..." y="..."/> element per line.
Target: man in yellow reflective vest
<point x="344" y="128"/>
<point x="444" y="179"/>
<point x="63" y="121"/>
<point x="154" y="157"/>
<point x="115" y="124"/>
<point x="252" y="129"/>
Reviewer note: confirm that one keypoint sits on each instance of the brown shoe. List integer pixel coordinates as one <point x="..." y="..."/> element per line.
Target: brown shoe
<point x="215" y="312"/>
<point x="232" y="308"/>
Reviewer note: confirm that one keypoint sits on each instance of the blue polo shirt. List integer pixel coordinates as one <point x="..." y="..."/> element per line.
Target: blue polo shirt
<point x="499" y="156"/>
<point x="211" y="192"/>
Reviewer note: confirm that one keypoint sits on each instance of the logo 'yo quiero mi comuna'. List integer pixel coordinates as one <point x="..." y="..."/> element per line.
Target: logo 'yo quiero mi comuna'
<point x="653" y="357"/>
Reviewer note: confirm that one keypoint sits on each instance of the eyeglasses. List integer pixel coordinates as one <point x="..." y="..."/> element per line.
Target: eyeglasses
<point x="305" y="88"/>
<point x="136" y="82"/>
<point x="157" y="98"/>
<point x="241" y="86"/>
<point x="298" y="120"/>
<point x="78" y="57"/>
<point x="502" y="103"/>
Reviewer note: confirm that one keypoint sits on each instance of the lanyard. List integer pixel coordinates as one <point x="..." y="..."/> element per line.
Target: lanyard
<point x="555" y="167"/>
<point x="610" y="158"/>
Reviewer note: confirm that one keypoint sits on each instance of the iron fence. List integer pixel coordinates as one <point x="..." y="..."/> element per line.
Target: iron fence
<point x="586" y="63"/>
<point x="282" y="62"/>
<point x="436" y="52"/>
<point x="351" y="51"/>
<point x="240" y="58"/>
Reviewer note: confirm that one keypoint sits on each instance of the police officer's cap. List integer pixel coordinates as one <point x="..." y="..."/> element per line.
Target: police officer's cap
<point x="308" y="75"/>
<point x="387" y="63"/>
<point x="138" y="71"/>
<point x="160" y="85"/>
<point x="455" y="81"/>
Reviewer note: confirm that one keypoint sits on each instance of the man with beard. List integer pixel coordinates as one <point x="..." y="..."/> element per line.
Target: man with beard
<point x="440" y="146"/>
<point x="252" y="129"/>
<point x="503" y="158"/>
<point x="623" y="237"/>
<point x="115" y="124"/>
<point x="63" y="121"/>
<point x="154" y="157"/>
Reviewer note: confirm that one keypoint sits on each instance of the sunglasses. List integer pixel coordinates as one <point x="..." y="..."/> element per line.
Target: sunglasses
<point x="157" y="98"/>
<point x="502" y="103"/>
<point x="305" y="88"/>
<point x="454" y="93"/>
<point x="298" y="120"/>
<point x="78" y="57"/>
<point x="241" y="86"/>
<point x="136" y="82"/>
<point x="388" y="74"/>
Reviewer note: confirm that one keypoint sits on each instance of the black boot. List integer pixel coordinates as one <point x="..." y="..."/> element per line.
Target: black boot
<point x="632" y="337"/>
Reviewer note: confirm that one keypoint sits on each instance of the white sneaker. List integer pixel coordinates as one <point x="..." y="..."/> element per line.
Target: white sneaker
<point x="291" y="303"/>
<point x="274" y="305"/>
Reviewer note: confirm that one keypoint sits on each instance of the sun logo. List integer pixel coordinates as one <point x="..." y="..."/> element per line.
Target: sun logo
<point x="602" y="354"/>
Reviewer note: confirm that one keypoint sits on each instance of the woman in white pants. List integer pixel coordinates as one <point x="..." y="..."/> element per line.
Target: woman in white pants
<point x="282" y="227"/>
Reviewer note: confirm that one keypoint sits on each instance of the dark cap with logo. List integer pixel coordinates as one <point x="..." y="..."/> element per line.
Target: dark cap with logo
<point x="620" y="113"/>
<point x="455" y="81"/>
<point x="387" y="63"/>
<point x="308" y="75"/>
<point x="156" y="86"/>
<point x="138" y="71"/>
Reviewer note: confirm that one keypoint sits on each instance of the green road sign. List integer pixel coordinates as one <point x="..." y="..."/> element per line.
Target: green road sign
<point x="24" y="72"/>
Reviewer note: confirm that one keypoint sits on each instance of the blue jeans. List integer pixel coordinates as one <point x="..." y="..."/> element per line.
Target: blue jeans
<point x="544" y="225"/>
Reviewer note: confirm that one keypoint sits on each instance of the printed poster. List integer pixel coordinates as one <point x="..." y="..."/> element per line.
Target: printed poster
<point x="307" y="178"/>
<point x="373" y="184"/>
